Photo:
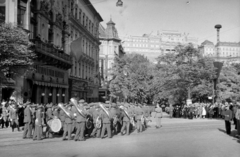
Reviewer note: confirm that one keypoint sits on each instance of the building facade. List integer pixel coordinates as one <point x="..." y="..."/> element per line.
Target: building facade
<point x="109" y="48"/>
<point x="83" y="46"/>
<point x="54" y="27"/>
<point x="228" y="52"/>
<point x="154" y="45"/>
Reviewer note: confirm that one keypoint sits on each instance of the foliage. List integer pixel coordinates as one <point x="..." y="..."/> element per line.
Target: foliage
<point x="132" y="77"/>
<point x="182" y="70"/>
<point x="16" y="55"/>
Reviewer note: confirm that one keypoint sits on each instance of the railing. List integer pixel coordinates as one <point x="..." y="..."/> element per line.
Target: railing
<point x="50" y="50"/>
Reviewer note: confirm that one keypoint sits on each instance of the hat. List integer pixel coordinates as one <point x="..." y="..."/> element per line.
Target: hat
<point x="81" y="101"/>
<point x="49" y="105"/>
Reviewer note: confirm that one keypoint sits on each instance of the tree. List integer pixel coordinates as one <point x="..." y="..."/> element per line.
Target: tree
<point x="181" y="71"/>
<point x="133" y="77"/>
<point x="16" y="55"/>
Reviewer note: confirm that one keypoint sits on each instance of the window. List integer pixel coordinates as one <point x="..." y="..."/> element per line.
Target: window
<point x="80" y="15"/>
<point x="21" y="12"/>
<point x="2" y="14"/>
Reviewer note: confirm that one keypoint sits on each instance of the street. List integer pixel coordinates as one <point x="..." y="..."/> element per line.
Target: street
<point x="177" y="137"/>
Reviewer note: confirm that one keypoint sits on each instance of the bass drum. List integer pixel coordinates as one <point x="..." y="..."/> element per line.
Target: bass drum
<point x="55" y="125"/>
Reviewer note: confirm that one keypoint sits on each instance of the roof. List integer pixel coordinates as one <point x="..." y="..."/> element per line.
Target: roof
<point x="110" y="32"/>
<point x="89" y="4"/>
<point x="230" y="44"/>
<point x="207" y="42"/>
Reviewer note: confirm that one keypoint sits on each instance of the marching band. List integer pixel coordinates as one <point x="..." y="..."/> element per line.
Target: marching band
<point x="78" y="120"/>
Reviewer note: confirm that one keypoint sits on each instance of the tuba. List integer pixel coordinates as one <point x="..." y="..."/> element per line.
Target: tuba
<point x="60" y="105"/>
<point x="124" y="110"/>
<point x="104" y="109"/>
<point x="98" y="122"/>
<point x="74" y="101"/>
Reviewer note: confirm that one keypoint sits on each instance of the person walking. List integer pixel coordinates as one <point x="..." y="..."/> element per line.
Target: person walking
<point x="237" y="116"/>
<point x="228" y="118"/>
<point x="158" y="116"/>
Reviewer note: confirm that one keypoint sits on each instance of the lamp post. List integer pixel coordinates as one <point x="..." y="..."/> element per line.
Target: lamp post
<point x="217" y="64"/>
<point x="57" y="97"/>
<point x="50" y="97"/>
<point x="119" y="3"/>
<point x="43" y="94"/>
<point x="63" y="95"/>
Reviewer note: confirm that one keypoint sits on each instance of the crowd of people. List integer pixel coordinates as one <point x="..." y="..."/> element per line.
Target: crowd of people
<point x="78" y="121"/>
<point x="230" y="112"/>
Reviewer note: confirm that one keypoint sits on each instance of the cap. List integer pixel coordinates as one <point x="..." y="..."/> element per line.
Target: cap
<point x="81" y="101"/>
<point x="49" y="105"/>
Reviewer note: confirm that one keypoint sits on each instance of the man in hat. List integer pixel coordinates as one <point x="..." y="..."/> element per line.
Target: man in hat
<point x="5" y="114"/>
<point x="14" y="116"/>
<point x="68" y="123"/>
<point x="106" y="122"/>
<point x="80" y="123"/>
<point x="228" y="117"/>
<point x="38" y="123"/>
<point x="49" y="116"/>
<point x="27" y="120"/>
<point x="126" y="121"/>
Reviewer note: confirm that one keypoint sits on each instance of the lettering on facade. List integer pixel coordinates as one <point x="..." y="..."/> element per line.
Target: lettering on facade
<point x="50" y="72"/>
<point x="78" y="85"/>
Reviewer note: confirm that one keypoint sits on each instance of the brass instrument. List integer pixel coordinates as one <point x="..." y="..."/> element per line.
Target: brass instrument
<point x="98" y="122"/>
<point x="104" y="109"/>
<point x="60" y="105"/>
<point x="124" y="110"/>
<point x="74" y="101"/>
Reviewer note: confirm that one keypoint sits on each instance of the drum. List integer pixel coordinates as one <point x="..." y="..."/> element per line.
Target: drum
<point x="55" y="125"/>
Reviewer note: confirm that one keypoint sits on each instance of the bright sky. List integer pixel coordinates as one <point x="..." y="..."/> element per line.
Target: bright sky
<point x="196" y="17"/>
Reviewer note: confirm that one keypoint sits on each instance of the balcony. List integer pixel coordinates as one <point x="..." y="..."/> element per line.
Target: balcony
<point x="49" y="50"/>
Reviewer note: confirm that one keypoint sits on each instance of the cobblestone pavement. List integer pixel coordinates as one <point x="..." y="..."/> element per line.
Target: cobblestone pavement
<point x="177" y="138"/>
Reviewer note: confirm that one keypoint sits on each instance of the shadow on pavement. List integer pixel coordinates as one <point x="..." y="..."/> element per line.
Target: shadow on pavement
<point x="233" y="134"/>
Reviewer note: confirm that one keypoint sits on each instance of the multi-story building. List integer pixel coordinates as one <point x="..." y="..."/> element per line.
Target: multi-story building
<point x="83" y="25"/>
<point x="55" y="27"/>
<point x="110" y="46"/>
<point x="228" y="52"/>
<point x="153" y="46"/>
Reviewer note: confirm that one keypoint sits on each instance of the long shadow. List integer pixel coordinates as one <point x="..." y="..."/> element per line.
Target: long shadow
<point x="233" y="134"/>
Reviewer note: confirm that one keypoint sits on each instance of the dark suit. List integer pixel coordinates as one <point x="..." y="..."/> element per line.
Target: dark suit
<point x="27" y="121"/>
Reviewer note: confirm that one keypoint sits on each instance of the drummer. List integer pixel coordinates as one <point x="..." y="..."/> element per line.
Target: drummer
<point x="49" y="116"/>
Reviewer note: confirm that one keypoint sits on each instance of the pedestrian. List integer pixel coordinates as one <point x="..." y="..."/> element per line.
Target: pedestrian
<point x="228" y="118"/>
<point x="27" y="121"/>
<point x="14" y="116"/>
<point x="237" y="115"/>
<point x="158" y="116"/>
<point x="171" y="111"/>
<point x="38" y="123"/>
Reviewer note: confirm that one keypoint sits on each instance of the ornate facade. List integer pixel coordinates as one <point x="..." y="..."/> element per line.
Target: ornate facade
<point x="110" y="46"/>
<point x="65" y="34"/>
<point x="83" y="46"/>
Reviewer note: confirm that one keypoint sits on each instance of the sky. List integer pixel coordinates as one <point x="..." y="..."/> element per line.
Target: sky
<point x="196" y="17"/>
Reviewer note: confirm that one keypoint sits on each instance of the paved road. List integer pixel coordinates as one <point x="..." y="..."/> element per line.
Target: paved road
<point x="177" y="138"/>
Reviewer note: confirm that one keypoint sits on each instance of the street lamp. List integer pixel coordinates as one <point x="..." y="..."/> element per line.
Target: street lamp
<point x="217" y="64"/>
<point x="119" y="3"/>
<point x="43" y="94"/>
<point x="63" y="95"/>
<point x="49" y="98"/>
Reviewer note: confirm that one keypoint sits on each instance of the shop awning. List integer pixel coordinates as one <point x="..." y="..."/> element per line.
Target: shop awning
<point x="49" y="84"/>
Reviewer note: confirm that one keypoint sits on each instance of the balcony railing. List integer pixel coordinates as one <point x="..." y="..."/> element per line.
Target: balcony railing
<point x="49" y="50"/>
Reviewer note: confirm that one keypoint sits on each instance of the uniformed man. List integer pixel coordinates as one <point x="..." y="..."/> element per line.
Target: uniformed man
<point x="96" y="116"/>
<point x="80" y="123"/>
<point x="126" y="121"/>
<point x="68" y="123"/>
<point x="62" y="118"/>
<point x="38" y="123"/>
<point x="106" y="122"/>
<point x="27" y="121"/>
<point x="14" y="116"/>
<point x="49" y="116"/>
